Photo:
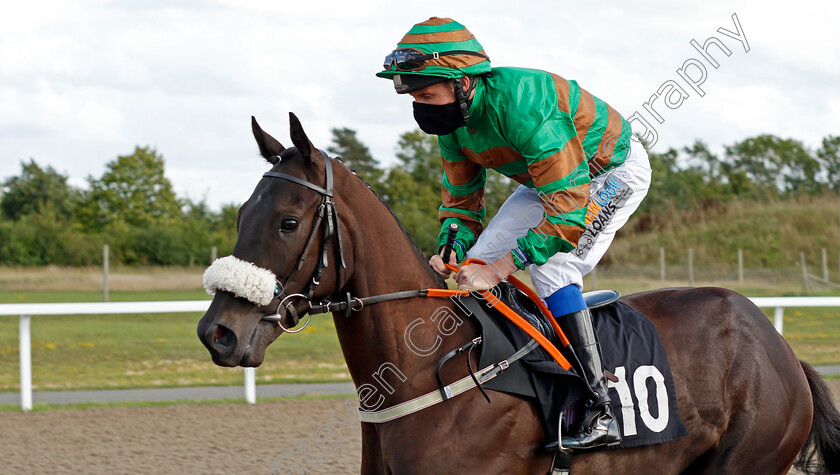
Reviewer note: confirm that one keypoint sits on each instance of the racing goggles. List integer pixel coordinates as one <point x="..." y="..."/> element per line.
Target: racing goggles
<point x="410" y="59"/>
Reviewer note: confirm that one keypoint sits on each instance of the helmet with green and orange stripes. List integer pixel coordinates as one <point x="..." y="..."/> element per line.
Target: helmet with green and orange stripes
<point x="431" y="52"/>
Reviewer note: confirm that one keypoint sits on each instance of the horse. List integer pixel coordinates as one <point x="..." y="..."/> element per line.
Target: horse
<point x="748" y="403"/>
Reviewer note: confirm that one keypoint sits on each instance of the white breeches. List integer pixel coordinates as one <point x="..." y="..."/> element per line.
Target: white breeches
<point x="614" y="196"/>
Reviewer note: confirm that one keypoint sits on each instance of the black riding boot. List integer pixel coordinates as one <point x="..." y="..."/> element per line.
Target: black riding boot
<point x="599" y="426"/>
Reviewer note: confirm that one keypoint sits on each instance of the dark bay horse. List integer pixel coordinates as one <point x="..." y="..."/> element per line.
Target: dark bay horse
<point x="748" y="403"/>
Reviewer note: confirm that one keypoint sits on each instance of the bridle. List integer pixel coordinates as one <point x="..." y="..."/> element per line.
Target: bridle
<point x="328" y="214"/>
<point x="347" y="303"/>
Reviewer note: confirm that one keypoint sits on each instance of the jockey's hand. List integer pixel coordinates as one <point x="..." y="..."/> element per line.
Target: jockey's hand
<point x="477" y="277"/>
<point x="437" y="263"/>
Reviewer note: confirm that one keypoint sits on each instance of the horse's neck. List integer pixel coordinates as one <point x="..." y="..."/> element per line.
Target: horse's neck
<point x="386" y="342"/>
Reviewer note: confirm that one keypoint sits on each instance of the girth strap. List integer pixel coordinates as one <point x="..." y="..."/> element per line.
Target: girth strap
<point x="422" y="402"/>
<point x="437" y="396"/>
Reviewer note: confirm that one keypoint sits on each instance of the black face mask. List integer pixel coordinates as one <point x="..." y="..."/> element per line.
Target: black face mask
<point x="438" y="119"/>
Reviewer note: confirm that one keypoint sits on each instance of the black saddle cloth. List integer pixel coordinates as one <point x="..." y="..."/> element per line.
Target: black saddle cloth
<point x="643" y="400"/>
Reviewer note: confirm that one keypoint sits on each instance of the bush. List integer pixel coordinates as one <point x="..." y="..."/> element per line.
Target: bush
<point x="42" y="239"/>
<point x="161" y="245"/>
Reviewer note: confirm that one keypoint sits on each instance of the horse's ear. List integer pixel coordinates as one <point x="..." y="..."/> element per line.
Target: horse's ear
<point x="300" y="140"/>
<point x="270" y="148"/>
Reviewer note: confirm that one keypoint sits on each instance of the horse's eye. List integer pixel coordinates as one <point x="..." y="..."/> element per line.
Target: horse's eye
<point x="289" y="225"/>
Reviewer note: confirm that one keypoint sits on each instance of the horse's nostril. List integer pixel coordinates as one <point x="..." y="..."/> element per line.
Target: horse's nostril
<point x="223" y="339"/>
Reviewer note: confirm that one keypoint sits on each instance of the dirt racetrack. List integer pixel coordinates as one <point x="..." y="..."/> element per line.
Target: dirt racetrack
<point x="268" y="437"/>
<point x="297" y="437"/>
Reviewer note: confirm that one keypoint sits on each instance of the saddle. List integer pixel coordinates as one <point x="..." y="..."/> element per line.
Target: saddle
<point x="525" y="369"/>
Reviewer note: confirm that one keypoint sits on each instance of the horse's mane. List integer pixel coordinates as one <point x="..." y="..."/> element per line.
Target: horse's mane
<point x="439" y="280"/>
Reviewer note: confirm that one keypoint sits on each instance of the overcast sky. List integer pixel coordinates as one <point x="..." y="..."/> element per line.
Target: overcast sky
<point x="82" y="82"/>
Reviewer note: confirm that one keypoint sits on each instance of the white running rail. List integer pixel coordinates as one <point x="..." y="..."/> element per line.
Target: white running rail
<point x="28" y="310"/>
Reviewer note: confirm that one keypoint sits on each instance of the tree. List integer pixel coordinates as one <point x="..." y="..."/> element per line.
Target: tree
<point x="829" y="154"/>
<point x="37" y="190"/>
<point x="356" y="156"/>
<point x="420" y="156"/>
<point x="133" y="191"/>
<point x="224" y="229"/>
<point x="665" y="185"/>
<point x="225" y="220"/>
<point x="413" y="189"/>
<point x="776" y="164"/>
<point x="702" y="178"/>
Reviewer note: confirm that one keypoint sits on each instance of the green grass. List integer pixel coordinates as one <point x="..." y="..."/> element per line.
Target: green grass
<point x="158" y="350"/>
<point x="813" y="333"/>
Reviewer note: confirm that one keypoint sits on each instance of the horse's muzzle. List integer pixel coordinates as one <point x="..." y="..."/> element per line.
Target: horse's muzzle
<point x="233" y="333"/>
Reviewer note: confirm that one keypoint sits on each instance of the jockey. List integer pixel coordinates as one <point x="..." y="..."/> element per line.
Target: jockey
<point x="581" y="177"/>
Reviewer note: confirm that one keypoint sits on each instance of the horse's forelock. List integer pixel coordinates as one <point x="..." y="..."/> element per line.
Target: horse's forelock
<point x="289" y="153"/>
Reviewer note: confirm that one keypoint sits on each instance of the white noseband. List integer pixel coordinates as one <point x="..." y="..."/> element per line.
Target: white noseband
<point x="241" y="278"/>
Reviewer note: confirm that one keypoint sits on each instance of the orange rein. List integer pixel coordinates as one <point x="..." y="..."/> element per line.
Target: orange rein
<point x="513" y="316"/>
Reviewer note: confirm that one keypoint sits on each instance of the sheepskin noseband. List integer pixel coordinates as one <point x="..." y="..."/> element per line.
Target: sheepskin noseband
<point x="241" y="278"/>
